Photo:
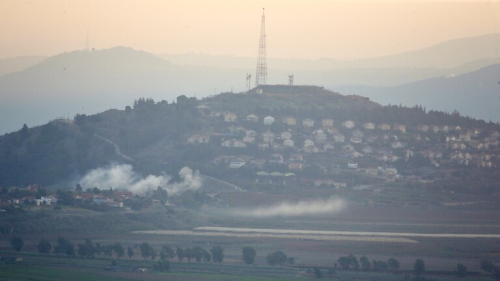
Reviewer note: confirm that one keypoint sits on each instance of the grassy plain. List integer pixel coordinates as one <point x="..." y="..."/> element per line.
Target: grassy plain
<point x="298" y="237"/>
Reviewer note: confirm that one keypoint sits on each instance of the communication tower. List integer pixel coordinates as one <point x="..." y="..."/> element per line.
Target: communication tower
<point x="261" y="77"/>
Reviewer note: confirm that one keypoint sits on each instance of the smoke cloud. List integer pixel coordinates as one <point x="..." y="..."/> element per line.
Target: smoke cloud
<point x="124" y="177"/>
<point x="302" y="208"/>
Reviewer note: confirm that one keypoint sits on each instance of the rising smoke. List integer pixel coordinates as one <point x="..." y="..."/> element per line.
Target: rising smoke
<point x="302" y="208"/>
<point x="123" y="177"/>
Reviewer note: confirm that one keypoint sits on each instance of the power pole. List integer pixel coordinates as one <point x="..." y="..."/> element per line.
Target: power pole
<point x="249" y="83"/>
<point x="290" y="80"/>
<point x="261" y="77"/>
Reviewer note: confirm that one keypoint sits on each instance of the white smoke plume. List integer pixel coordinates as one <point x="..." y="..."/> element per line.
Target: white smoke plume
<point x="302" y="208"/>
<point x="123" y="177"/>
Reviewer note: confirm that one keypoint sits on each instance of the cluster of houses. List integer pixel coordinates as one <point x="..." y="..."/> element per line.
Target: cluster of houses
<point x="368" y="147"/>
<point x="114" y="198"/>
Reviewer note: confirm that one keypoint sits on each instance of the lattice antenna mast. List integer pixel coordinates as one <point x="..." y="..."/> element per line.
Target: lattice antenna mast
<point x="261" y="77"/>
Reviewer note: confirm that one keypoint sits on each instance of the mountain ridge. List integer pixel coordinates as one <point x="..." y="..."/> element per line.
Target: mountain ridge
<point x="474" y="94"/>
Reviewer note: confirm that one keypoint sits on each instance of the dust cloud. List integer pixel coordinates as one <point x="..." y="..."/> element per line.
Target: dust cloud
<point x="301" y="208"/>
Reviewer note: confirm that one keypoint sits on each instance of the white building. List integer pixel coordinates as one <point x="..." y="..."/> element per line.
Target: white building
<point x="288" y="142"/>
<point x="308" y="123"/>
<point x="252" y="118"/>
<point x="237" y="163"/>
<point x="269" y="120"/>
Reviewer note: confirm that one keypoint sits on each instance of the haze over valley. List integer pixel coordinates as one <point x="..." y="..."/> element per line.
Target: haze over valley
<point x="250" y="140"/>
<point x="93" y="81"/>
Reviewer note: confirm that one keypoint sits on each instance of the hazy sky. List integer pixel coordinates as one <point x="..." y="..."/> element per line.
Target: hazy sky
<point x="295" y="29"/>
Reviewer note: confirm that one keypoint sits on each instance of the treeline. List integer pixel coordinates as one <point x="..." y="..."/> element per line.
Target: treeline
<point x="58" y="150"/>
<point x="90" y="250"/>
<point x="351" y="263"/>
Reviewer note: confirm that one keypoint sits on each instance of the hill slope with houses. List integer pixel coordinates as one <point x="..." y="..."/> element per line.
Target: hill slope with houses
<point x="269" y="139"/>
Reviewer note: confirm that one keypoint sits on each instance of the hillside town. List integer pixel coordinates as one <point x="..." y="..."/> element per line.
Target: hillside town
<point x="280" y="147"/>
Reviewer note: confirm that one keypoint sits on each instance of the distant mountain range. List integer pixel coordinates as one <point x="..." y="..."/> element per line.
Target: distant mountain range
<point x="449" y="54"/>
<point x="91" y="82"/>
<point x="11" y="65"/>
<point x="476" y="94"/>
<point x="34" y="90"/>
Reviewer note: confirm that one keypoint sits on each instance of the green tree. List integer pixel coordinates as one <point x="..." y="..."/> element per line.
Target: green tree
<point x="188" y="253"/>
<point x="461" y="270"/>
<point x="249" y="254"/>
<point x="91" y="251"/>
<point x="365" y="263"/>
<point x="168" y="252"/>
<point x="24" y="132"/>
<point x="97" y="248"/>
<point x="393" y="264"/>
<point x="419" y="267"/>
<point x="354" y="262"/>
<point x="145" y="250"/>
<point x="217" y="254"/>
<point x="60" y="247"/>
<point x="130" y="252"/>
<point x="380" y="265"/>
<point x="153" y="253"/>
<point x="486" y="265"/>
<point x="206" y="255"/>
<point x="161" y="195"/>
<point x="119" y="250"/>
<point x="197" y="253"/>
<point x="344" y="262"/>
<point x="179" y="252"/>
<point x="17" y="243"/>
<point x="162" y="255"/>
<point x="65" y="197"/>
<point x="70" y="249"/>
<point x="276" y="258"/>
<point x="82" y="250"/>
<point x="107" y="250"/>
<point x="44" y="246"/>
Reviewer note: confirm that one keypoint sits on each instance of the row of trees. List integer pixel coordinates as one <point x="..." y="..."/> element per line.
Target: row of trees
<point x="215" y="254"/>
<point x="351" y="262"/>
<point x="88" y="249"/>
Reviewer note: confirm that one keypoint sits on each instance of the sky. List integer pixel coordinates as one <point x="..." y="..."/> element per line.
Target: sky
<point x="305" y="29"/>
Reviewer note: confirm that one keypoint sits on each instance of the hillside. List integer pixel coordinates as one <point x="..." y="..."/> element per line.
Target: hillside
<point x="475" y="94"/>
<point x="263" y="130"/>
